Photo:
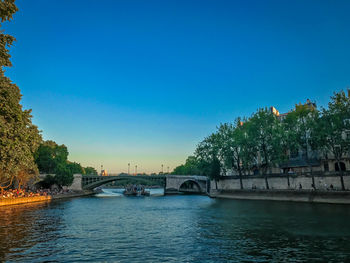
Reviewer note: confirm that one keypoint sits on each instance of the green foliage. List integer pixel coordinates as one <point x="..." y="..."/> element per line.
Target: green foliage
<point x="89" y="171"/>
<point x="208" y="155"/>
<point x="48" y="181"/>
<point x="236" y="149"/>
<point x="266" y="136"/>
<point x="264" y="141"/>
<point x="334" y="126"/>
<point x="298" y="125"/>
<point x="19" y="138"/>
<point x="20" y="154"/>
<point x="64" y="175"/>
<point x="189" y="168"/>
<point x="74" y="168"/>
<point x="51" y="158"/>
<point x="214" y="169"/>
<point x="7" y="9"/>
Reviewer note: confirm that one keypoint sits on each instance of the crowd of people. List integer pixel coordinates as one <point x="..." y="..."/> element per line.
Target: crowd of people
<point x="18" y="193"/>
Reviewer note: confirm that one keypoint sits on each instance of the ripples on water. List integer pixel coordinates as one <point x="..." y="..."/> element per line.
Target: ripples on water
<point x="174" y="229"/>
<point x="119" y="192"/>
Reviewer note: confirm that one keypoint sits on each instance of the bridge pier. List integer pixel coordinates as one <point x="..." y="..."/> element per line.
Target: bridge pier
<point x="77" y="184"/>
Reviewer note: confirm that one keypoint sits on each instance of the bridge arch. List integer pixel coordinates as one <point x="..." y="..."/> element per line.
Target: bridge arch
<point x="93" y="182"/>
<point x="190" y="185"/>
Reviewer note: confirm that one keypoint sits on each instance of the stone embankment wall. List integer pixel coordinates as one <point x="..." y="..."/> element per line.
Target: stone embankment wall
<point x="24" y="200"/>
<point x="49" y="198"/>
<point x="254" y="188"/>
<point x="330" y="197"/>
<point x="280" y="182"/>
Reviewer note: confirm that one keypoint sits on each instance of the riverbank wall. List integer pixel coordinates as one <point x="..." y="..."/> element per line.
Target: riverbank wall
<point x="335" y="197"/>
<point x="49" y="198"/>
<point x="297" y="188"/>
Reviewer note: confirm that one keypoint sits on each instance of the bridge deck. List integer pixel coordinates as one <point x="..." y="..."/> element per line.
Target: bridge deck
<point x="169" y="181"/>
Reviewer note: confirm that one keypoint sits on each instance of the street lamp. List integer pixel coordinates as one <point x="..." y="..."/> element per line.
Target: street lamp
<point x="135" y="169"/>
<point x="128" y="168"/>
<point x="168" y="169"/>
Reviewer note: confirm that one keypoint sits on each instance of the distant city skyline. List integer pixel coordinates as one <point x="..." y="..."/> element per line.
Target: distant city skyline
<point x="143" y="82"/>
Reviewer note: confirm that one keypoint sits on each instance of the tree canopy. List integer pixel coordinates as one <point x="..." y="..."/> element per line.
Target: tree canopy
<point x="52" y="158"/>
<point x="189" y="168"/>
<point x="19" y="138"/>
<point x="267" y="140"/>
<point x="333" y="129"/>
<point x="89" y="171"/>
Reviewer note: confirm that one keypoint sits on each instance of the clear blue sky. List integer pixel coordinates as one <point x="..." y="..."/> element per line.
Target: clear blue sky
<point x="144" y="81"/>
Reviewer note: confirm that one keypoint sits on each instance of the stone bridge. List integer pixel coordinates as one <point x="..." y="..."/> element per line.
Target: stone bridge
<point x="171" y="183"/>
<point x="90" y="182"/>
<point x="186" y="183"/>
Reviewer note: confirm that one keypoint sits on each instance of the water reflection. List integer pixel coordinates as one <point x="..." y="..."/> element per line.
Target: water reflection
<point x="25" y="226"/>
<point x="118" y="192"/>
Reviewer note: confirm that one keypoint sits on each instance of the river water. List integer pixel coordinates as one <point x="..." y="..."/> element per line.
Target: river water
<point x="187" y="228"/>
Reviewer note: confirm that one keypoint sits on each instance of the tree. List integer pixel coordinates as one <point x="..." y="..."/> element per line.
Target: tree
<point x="19" y="138"/>
<point x="266" y="135"/>
<point x="300" y="127"/>
<point x="23" y="177"/>
<point x="50" y="156"/>
<point x="7" y="9"/>
<point x="207" y="154"/>
<point x="64" y="176"/>
<point x="334" y="127"/>
<point x="189" y="168"/>
<point x="235" y="147"/>
<point x="74" y="168"/>
<point x="215" y="170"/>
<point x="48" y="181"/>
<point x="89" y="171"/>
